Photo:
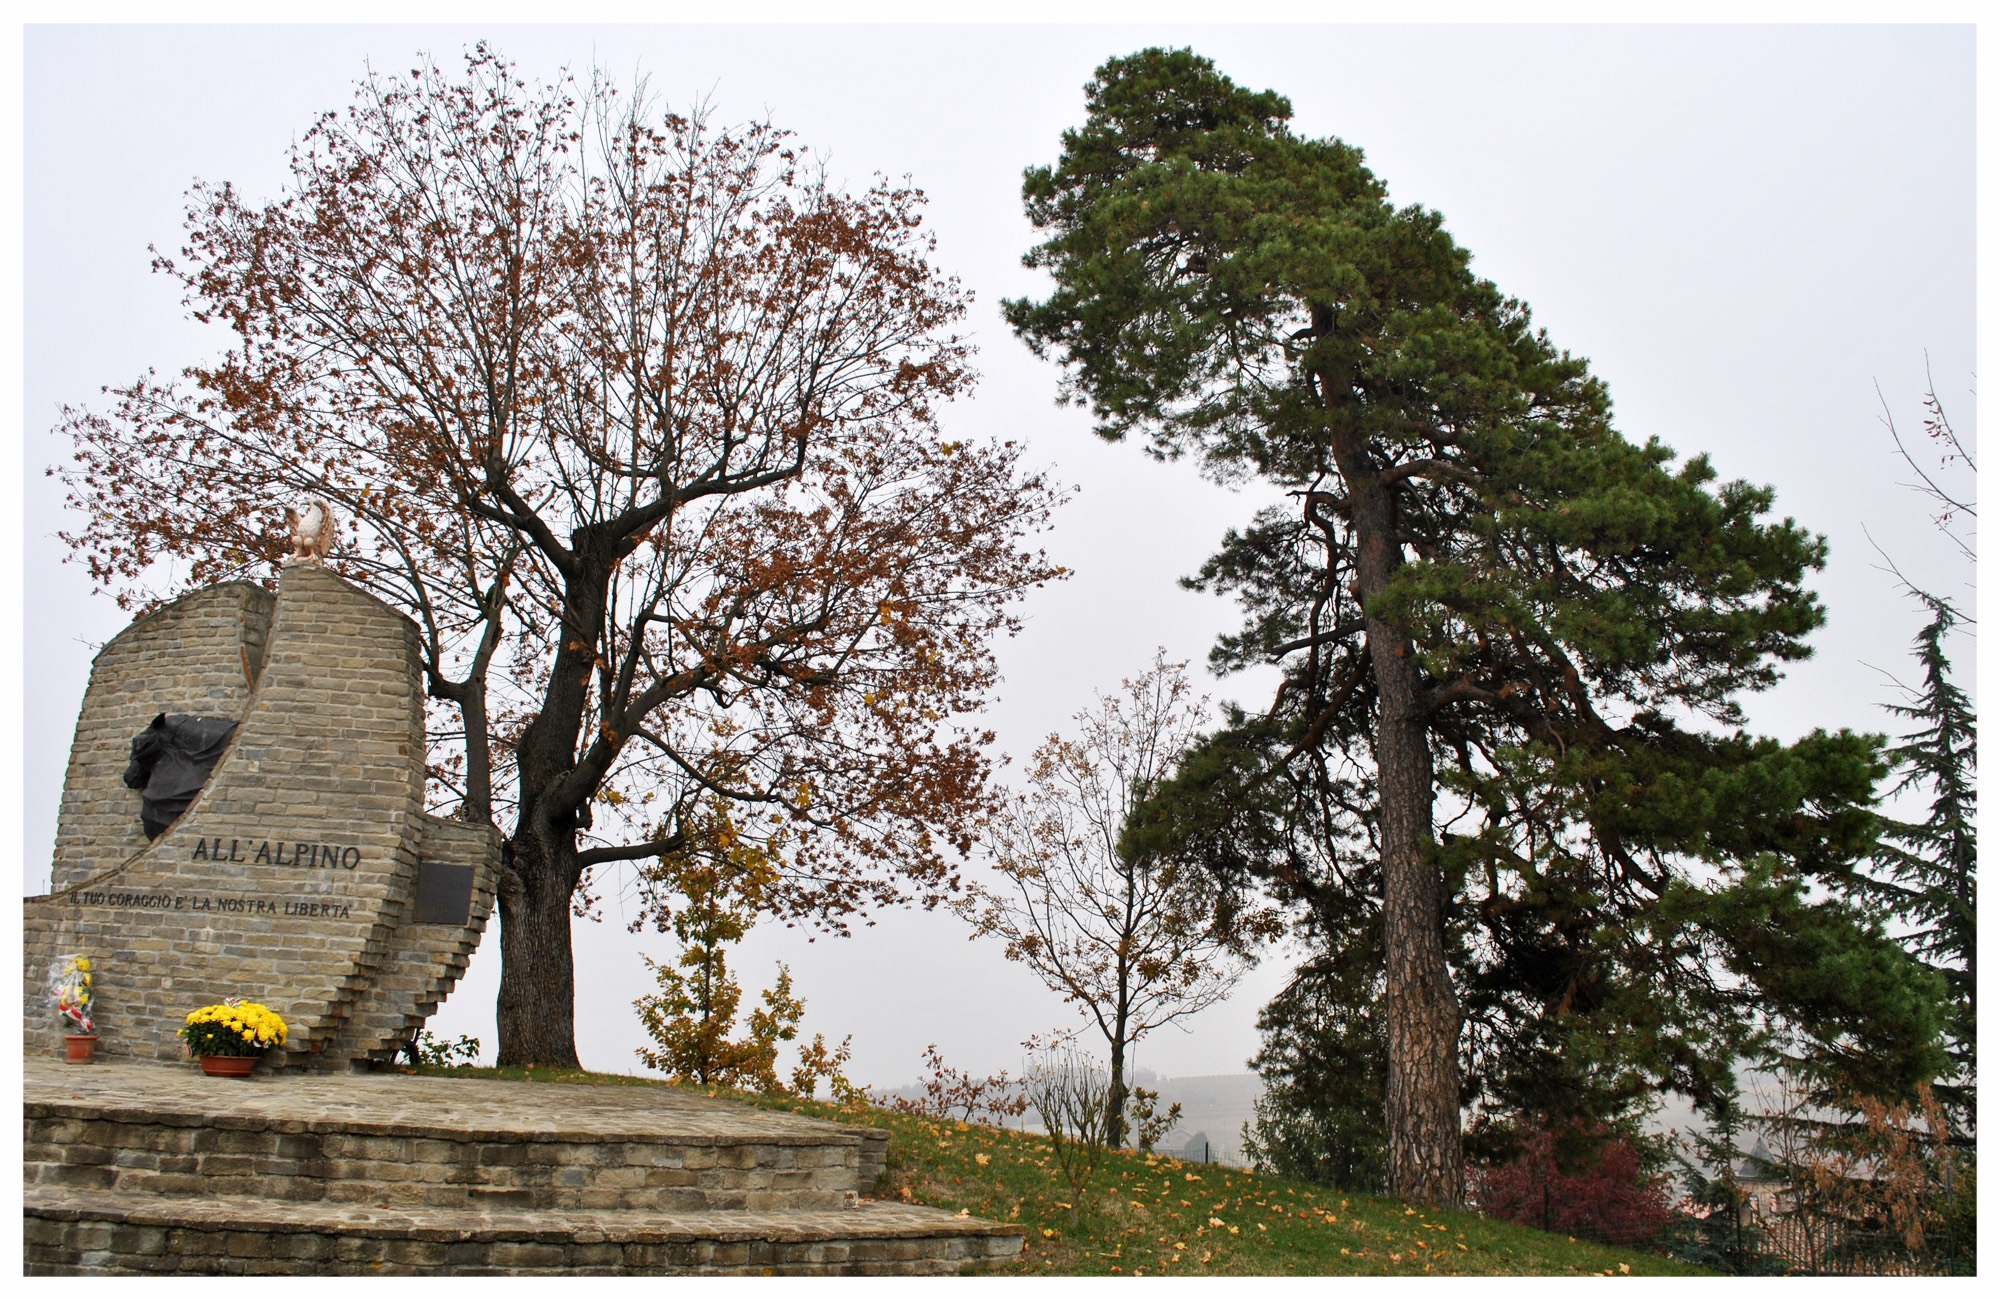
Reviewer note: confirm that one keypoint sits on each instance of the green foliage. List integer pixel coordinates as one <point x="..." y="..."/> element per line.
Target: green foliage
<point x="1960" y="1218"/>
<point x="429" y="1049"/>
<point x="1633" y="892"/>
<point x="1925" y="872"/>
<point x="1323" y="1059"/>
<point x="1714" y="1228"/>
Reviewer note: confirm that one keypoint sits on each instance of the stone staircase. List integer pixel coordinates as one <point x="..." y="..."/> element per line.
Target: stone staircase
<point x="149" y="1168"/>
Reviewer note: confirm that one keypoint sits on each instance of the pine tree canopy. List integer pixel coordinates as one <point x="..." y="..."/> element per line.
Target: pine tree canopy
<point x="1513" y="643"/>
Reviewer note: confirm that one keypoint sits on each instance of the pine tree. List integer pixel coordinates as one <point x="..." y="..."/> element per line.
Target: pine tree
<point x="1487" y="606"/>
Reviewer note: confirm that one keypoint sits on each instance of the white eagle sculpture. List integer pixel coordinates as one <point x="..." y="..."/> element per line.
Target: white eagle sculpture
<point x="312" y="533"/>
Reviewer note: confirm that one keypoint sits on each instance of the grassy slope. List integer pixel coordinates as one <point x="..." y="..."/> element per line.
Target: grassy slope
<point x="1153" y="1216"/>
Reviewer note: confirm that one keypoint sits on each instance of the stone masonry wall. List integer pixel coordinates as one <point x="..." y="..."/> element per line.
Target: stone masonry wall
<point x="421" y="963"/>
<point x="195" y="656"/>
<point x="291" y="878"/>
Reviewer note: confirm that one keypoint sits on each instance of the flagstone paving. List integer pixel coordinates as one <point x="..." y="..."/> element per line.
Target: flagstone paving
<point x="134" y="1167"/>
<point x="406" y="1105"/>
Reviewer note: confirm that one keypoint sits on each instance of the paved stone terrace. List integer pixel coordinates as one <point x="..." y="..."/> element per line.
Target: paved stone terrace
<point x="70" y="1233"/>
<point x="400" y="1105"/>
<point x="137" y="1167"/>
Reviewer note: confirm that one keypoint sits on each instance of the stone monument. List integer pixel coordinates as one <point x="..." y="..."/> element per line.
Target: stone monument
<point x="305" y="873"/>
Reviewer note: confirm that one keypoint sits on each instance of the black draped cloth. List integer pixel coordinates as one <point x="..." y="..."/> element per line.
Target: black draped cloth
<point x="171" y="761"/>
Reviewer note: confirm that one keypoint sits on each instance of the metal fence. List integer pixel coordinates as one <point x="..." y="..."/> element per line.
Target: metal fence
<point x="1819" y="1248"/>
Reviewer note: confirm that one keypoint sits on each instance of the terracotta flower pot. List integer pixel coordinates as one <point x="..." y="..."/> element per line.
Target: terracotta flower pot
<point x="78" y="1049"/>
<point x="229" y="1067"/>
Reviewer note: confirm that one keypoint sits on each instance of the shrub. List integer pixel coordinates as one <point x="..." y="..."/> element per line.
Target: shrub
<point x="428" y="1049"/>
<point x="1149" y="1123"/>
<point x="1586" y="1182"/>
<point x="818" y="1062"/>
<point x="1072" y="1094"/>
<point x="950" y="1093"/>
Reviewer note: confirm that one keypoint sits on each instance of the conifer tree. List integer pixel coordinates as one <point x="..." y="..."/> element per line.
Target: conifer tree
<point x="1720" y="1233"/>
<point x="1319" y="1118"/>
<point x="1500" y="626"/>
<point x="1926" y="871"/>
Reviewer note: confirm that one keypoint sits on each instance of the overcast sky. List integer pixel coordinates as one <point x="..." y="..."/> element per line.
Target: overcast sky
<point x="1744" y="228"/>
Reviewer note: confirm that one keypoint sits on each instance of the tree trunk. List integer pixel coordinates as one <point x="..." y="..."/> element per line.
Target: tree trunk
<point x="537" y="1003"/>
<point x="1121" y="1018"/>
<point x="1114" y="1101"/>
<point x="1425" y="1159"/>
<point x="1425" y="1163"/>
<point x="477" y="805"/>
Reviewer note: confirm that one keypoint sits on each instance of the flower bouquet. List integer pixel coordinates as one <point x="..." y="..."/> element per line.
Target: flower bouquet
<point x="229" y="1036"/>
<point x="69" y="989"/>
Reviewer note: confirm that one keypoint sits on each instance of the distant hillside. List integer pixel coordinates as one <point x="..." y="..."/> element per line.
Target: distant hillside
<point x="1214" y="1108"/>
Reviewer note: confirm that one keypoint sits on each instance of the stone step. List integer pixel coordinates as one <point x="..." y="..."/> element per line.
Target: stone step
<point x="447" y="1144"/>
<point x="69" y="1231"/>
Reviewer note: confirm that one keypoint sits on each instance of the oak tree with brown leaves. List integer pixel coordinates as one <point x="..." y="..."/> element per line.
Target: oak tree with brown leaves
<point x="637" y="419"/>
